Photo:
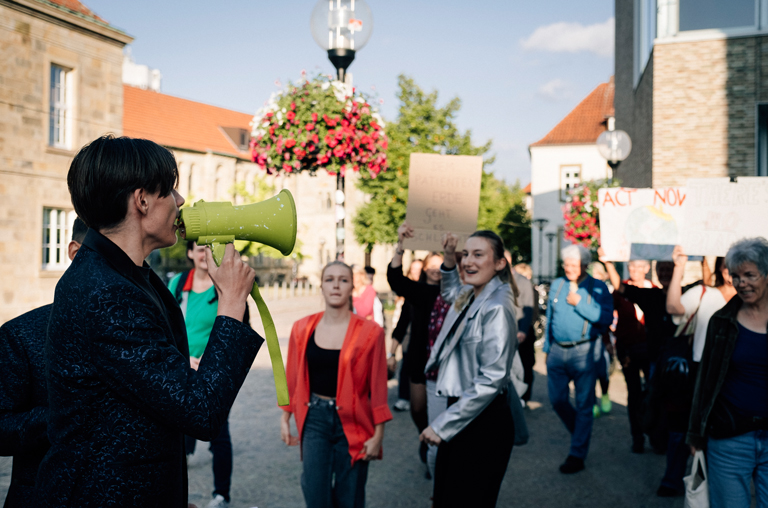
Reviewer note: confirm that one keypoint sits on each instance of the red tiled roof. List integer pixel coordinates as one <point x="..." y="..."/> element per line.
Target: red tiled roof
<point x="180" y="123"/>
<point x="587" y="120"/>
<point x="527" y="189"/>
<point x="76" y="6"/>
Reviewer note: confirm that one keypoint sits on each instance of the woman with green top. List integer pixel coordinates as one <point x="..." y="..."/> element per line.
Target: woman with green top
<point x="198" y="300"/>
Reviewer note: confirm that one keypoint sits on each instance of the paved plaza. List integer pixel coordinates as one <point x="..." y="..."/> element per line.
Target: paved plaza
<point x="266" y="472"/>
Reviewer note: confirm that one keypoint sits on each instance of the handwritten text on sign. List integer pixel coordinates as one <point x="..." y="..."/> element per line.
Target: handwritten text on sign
<point x="640" y="223"/>
<point x="721" y="212"/>
<point x="443" y="195"/>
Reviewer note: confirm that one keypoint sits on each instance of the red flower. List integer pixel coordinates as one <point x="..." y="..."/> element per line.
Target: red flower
<point x="290" y="142"/>
<point x="269" y="114"/>
<point x="286" y="167"/>
<point x="315" y="139"/>
<point x="290" y="115"/>
<point x="338" y="151"/>
<point x="314" y="117"/>
<point x="293" y="106"/>
<point x="309" y="126"/>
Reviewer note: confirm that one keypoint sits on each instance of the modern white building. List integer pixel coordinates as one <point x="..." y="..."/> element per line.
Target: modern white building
<point x="561" y="160"/>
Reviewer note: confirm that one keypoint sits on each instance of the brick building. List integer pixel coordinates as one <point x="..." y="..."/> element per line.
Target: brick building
<point x="692" y="89"/>
<point x="60" y="87"/>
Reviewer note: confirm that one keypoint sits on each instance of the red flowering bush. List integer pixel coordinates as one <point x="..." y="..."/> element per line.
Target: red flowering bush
<point x="582" y="222"/>
<point x="315" y="125"/>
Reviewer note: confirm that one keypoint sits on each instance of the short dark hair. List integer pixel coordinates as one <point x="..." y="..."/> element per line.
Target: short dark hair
<point x="79" y="229"/>
<point x="190" y="245"/>
<point x="107" y="170"/>
<point x="370" y="270"/>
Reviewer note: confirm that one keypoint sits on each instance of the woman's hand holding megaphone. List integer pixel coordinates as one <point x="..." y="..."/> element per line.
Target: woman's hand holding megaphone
<point x="233" y="280"/>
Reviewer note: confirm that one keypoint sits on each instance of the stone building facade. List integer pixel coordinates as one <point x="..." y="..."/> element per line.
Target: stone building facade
<point x="692" y="89"/>
<point x="60" y="86"/>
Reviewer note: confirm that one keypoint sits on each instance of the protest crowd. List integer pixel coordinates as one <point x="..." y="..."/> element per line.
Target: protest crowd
<point x="106" y="391"/>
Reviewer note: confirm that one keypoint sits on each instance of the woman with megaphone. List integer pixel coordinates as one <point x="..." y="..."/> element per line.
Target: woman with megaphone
<point x="337" y="382"/>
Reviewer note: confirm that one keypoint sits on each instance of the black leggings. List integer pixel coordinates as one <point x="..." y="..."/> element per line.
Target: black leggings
<point x="470" y="467"/>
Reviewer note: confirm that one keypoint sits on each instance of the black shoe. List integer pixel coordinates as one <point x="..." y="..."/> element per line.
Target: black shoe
<point x="572" y="465"/>
<point x="423" y="452"/>
<point x="665" y="491"/>
<point x="638" y="447"/>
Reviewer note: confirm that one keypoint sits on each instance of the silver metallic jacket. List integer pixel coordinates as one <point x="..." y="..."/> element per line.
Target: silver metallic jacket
<point x="475" y="364"/>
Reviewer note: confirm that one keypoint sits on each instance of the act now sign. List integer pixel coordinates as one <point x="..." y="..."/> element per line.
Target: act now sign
<point x="641" y="223"/>
<point x="706" y="217"/>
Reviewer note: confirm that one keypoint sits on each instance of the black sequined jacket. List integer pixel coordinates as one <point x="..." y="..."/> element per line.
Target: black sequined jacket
<point x="23" y="401"/>
<point x="121" y="392"/>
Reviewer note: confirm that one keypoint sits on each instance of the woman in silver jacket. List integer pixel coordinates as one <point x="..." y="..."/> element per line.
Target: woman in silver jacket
<point x="474" y="353"/>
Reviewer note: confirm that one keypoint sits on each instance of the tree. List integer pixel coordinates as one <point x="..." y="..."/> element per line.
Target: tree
<point x="515" y="230"/>
<point x="422" y="127"/>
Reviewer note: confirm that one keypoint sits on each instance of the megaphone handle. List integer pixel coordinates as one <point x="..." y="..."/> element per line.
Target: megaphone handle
<point x="278" y="368"/>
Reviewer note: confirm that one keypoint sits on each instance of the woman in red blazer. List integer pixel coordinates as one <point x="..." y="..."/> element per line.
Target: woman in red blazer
<point x="337" y="380"/>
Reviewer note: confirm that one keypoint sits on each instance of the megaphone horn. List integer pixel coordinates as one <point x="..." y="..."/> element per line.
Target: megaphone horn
<point x="271" y="222"/>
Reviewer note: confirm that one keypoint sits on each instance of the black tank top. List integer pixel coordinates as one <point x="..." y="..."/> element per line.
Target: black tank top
<point x="323" y="366"/>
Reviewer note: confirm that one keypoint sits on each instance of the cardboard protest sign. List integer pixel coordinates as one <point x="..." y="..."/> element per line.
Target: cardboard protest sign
<point x="443" y="195"/>
<point x="720" y="212"/>
<point x="641" y="223"/>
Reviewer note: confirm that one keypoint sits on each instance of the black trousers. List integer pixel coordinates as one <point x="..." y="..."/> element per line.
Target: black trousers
<point x="221" y="448"/>
<point x="528" y="359"/>
<point x="471" y="466"/>
<point x="638" y="361"/>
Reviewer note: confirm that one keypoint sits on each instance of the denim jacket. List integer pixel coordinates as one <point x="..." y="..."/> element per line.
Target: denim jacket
<point x="722" y="333"/>
<point x="475" y="362"/>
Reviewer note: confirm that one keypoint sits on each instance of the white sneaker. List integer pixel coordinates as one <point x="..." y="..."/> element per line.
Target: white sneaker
<point x="218" y="502"/>
<point x="402" y="405"/>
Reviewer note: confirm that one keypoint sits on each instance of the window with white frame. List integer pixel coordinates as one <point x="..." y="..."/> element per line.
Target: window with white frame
<point x="57" y="233"/>
<point x="570" y="177"/>
<point x="60" y="124"/>
<point x="645" y="33"/>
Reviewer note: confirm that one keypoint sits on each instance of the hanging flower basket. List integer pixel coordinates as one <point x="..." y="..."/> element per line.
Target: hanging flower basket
<point x="582" y="220"/>
<point x="317" y="124"/>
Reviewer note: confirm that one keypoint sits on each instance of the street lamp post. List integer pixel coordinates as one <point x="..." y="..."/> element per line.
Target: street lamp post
<point x="614" y="145"/>
<point x="540" y="223"/>
<point x="550" y="237"/>
<point x="341" y="27"/>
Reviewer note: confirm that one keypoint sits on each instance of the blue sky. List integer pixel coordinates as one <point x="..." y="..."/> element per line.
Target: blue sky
<point x="518" y="67"/>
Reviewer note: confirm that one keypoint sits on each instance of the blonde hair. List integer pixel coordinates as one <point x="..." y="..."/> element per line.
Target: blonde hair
<point x="351" y="273"/>
<point x="504" y="275"/>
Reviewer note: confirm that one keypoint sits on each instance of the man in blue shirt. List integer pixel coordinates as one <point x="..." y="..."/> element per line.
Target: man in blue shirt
<point x="580" y="308"/>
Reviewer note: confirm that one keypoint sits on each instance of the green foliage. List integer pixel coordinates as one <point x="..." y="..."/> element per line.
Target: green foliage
<point x="423" y="126"/>
<point x="515" y="230"/>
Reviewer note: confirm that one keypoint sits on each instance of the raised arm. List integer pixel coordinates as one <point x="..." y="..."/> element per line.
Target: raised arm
<point x="611" y="269"/>
<point x="675" y="291"/>
<point x="450" y="284"/>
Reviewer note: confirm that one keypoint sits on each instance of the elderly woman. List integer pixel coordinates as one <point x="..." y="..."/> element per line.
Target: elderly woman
<point x="729" y="415"/>
<point x="580" y="309"/>
<point x="473" y="353"/>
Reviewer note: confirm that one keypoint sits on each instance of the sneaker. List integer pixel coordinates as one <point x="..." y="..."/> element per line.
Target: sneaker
<point x="605" y="404"/>
<point x="402" y="405"/>
<point x="218" y="501"/>
<point x="596" y="411"/>
<point x="572" y="465"/>
<point x="665" y="491"/>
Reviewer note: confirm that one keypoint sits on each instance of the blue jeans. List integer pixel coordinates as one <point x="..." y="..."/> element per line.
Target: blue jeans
<point x="677" y="461"/>
<point x="731" y="463"/>
<point x="221" y="448"/>
<point x="575" y="364"/>
<point x="328" y="479"/>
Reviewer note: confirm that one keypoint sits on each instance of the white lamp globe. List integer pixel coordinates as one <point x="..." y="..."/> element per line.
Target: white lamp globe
<point x="341" y="24"/>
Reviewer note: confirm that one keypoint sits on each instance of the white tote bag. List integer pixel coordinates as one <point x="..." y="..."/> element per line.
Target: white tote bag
<point x="696" y="488"/>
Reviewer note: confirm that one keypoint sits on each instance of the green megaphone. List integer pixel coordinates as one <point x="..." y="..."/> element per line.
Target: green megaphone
<point x="271" y="222"/>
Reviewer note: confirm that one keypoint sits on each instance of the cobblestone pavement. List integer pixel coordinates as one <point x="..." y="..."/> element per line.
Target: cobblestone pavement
<point x="267" y="473"/>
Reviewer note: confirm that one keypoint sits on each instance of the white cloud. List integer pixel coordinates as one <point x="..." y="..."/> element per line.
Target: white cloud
<point x="554" y="90"/>
<point x="573" y="38"/>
